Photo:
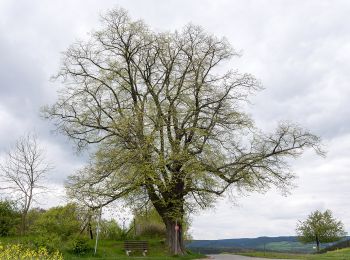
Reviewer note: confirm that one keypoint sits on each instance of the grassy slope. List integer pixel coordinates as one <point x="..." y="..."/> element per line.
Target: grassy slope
<point x="343" y="254"/>
<point x="110" y="249"/>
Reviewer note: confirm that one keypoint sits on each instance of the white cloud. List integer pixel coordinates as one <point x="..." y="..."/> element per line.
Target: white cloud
<point x="322" y="184"/>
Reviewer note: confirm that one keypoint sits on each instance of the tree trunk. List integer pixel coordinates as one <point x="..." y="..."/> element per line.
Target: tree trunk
<point x="174" y="237"/>
<point x="24" y="223"/>
<point x="90" y="231"/>
<point x="172" y="212"/>
<point x="317" y="244"/>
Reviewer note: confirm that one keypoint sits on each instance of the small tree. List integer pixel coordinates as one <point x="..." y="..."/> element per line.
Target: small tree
<point x="88" y="217"/>
<point x="22" y="171"/>
<point x="320" y="227"/>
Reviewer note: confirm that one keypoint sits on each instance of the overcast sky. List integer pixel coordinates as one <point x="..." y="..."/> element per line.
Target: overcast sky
<point x="299" y="50"/>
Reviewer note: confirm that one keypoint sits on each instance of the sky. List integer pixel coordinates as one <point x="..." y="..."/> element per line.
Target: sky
<point x="299" y="50"/>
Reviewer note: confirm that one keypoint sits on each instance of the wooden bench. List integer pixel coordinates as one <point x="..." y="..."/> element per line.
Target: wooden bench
<point x="137" y="245"/>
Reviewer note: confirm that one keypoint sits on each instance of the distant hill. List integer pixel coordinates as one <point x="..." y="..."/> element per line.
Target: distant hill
<point x="278" y="244"/>
<point x="345" y="243"/>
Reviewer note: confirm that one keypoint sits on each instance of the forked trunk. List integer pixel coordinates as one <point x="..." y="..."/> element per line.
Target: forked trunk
<point x="172" y="212"/>
<point x="174" y="237"/>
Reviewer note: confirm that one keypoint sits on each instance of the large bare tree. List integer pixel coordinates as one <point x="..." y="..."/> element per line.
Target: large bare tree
<point x="22" y="171"/>
<point x="168" y="120"/>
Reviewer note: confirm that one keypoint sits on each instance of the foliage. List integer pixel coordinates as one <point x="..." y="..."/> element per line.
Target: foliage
<point x="61" y="221"/>
<point x="17" y="251"/>
<point x="79" y="245"/>
<point x="124" y="234"/>
<point x="110" y="230"/>
<point x="88" y="219"/>
<point x="154" y="230"/>
<point x="148" y="223"/>
<point x="170" y="125"/>
<point x="9" y="218"/>
<point x="320" y="227"/>
<point x="32" y="217"/>
<point x="52" y="242"/>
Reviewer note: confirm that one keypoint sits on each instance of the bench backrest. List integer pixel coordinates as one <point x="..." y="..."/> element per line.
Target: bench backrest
<point x="135" y="245"/>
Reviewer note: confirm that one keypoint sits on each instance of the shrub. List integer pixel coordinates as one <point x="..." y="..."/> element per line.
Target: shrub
<point x="149" y="224"/>
<point x="110" y="230"/>
<point x="61" y="221"/>
<point x="153" y="230"/>
<point x="51" y="242"/>
<point x="32" y="217"/>
<point x="79" y="246"/>
<point x="9" y="218"/>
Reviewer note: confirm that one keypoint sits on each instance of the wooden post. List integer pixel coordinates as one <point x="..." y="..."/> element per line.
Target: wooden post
<point x="134" y="227"/>
<point x="176" y="237"/>
<point x="98" y="230"/>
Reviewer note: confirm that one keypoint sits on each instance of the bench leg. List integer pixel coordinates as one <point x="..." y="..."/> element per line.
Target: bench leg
<point x="144" y="252"/>
<point x="128" y="252"/>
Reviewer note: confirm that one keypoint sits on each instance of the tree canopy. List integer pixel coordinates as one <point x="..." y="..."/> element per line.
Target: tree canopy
<point x="168" y="121"/>
<point x="320" y="227"/>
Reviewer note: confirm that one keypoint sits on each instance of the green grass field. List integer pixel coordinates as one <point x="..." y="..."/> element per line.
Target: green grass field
<point x="342" y="254"/>
<point x="114" y="249"/>
<point x="110" y="249"/>
<point x="287" y="246"/>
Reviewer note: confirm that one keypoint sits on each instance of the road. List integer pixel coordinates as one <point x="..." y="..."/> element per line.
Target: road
<point x="235" y="257"/>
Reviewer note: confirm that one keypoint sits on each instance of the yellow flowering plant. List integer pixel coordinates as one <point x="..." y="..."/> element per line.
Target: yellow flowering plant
<point x="17" y="251"/>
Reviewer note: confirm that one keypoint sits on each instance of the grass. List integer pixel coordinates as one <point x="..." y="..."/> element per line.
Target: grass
<point x="342" y="254"/>
<point x="274" y="255"/>
<point x="288" y="246"/>
<point x="111" y="249"/>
